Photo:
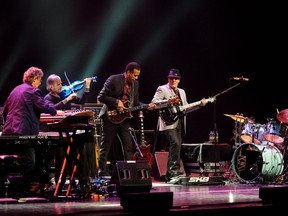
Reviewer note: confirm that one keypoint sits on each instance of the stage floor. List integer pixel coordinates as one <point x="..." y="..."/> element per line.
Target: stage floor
<point x="217" y="198"/>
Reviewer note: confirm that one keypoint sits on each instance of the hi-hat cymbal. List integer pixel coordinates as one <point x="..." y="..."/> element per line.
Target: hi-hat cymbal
<point x="282" y="116"/>
<point x="240" y="118"/>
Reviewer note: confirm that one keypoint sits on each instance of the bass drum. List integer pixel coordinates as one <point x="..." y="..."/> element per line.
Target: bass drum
<point x="250" y="161"/>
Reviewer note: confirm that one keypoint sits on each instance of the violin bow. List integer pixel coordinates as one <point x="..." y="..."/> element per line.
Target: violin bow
<point x="68" y="81"/>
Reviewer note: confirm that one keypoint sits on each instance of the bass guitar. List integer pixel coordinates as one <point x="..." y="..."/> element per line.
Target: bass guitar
<point x="116" y="116"/>
<point x="143" y="150"/>
<point x="171" y="114"/>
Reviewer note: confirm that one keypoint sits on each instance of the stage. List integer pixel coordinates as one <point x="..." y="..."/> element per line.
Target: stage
<point x="224" y="195"/>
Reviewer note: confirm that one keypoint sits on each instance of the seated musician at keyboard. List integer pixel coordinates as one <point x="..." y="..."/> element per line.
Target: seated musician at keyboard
<point x="87" y="158"/>
<point x="21" y="113"/>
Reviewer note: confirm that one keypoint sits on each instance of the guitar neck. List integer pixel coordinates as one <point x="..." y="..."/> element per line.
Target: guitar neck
<point x="197" y="103"/>
<point x="140" y="107"/>
<point x="188" y="106"/>
<point x="142" y="136"/>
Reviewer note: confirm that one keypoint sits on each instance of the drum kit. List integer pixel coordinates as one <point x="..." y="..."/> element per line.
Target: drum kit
<point x="260" y="153"/>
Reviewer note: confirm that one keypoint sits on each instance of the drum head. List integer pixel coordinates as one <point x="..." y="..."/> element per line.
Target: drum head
<point x="251" y="161"/>
<point x="247" y="161"/>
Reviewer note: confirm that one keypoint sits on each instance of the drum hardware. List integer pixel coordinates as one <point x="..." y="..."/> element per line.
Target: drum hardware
<point x="239" y="121"/>
<point x="284" y="177"/>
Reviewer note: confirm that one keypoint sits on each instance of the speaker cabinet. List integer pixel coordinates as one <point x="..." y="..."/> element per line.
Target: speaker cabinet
<point x="143" y="202"/>
<point x="131" y="176"/>
<point x="273" y="194"/>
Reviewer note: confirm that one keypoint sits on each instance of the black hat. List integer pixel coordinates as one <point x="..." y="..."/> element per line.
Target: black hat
<point x="174" y="73"/>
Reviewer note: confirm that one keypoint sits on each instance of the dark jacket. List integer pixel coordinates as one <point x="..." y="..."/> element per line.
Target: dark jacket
<point x="113" y="89"/>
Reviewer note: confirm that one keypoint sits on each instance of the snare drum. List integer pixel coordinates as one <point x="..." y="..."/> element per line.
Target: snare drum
<point x="275" y="132"/>
<point x="250" y="161"/>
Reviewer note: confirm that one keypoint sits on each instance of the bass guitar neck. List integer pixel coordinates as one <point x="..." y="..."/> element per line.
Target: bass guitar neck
<point x="116" y="116"/>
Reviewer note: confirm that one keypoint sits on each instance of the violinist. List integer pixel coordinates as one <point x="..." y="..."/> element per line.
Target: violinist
<point x="88" y="157"/>
<point x="55" y="88"/>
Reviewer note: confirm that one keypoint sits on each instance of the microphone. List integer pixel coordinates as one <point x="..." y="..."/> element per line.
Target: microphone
<point x="240" y="78"/>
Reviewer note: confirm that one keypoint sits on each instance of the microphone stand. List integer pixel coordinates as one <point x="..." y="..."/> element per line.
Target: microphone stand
<point x="215" y="122"/>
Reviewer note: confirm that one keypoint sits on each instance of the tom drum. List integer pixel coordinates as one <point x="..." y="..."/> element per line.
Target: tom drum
<point x="253" y="133"/>
<point x="275" y="132"/>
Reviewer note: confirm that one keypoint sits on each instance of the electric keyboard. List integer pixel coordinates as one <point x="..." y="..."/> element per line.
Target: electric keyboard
<point x="16" y="138"/>
<point x="47" y="118"/>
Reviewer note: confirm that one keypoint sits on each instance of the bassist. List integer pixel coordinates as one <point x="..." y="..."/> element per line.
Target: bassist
<point x="120" y="91"/>
<point x="172" y="120"/>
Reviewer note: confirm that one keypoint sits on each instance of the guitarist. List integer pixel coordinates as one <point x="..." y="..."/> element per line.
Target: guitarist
<point x="120" y="91"/>
<point x="172" y="121"/>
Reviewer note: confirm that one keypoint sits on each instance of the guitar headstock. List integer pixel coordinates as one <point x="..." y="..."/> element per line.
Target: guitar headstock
<point x="211" y="99"/>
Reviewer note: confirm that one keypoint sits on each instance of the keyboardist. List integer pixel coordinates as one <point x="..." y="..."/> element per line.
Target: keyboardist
<point x="87" y="166"/>
<point x="21" y="113"/>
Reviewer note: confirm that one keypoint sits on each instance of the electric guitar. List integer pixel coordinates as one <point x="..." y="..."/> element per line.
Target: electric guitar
<point x="116" y="116"/>
<point x="171" y="114"/>
<point x="143" y="150"/>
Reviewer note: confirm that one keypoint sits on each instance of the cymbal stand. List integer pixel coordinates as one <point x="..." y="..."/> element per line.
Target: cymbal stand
<point x="285" y="154"/>
<point x="282" y="178"/>
<point x="237" y="133"/>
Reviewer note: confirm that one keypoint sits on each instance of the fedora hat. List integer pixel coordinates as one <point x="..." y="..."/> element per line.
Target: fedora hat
<point x="174" y="73"/>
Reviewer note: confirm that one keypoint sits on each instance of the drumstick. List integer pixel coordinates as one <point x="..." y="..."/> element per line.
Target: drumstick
<point x="278" y="113"/>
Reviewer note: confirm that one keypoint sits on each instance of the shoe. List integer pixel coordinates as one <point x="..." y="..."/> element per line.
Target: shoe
<point x="103" y="173"/>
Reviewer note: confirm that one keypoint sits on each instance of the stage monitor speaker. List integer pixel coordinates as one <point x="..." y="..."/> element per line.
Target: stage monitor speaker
<point x="131" y="176"/>
<point x="159" y="167"/>
<point x="273" y="194"/>
<point x="144" y="202"/>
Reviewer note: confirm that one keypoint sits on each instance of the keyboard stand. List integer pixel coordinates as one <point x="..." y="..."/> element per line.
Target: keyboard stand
<point x="68" y="127"/>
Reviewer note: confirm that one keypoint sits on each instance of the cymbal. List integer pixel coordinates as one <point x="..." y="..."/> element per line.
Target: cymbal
<point x="282" y="116"/>
<point x="240" y="118"/>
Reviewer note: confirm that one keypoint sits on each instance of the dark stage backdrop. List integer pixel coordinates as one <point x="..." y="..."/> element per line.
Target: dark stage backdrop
<point x="209" y="41"/>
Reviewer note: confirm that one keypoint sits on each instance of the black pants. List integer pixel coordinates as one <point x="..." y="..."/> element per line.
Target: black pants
<point x="110" y="131"/>
<point x="174" y="139"/>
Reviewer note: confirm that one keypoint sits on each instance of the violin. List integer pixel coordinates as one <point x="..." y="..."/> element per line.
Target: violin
<point x="75" y="86"/>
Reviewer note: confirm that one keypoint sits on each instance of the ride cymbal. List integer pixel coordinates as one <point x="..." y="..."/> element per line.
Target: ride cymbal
<point x="240" y="118"/>
<point x="282" y="116"/>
